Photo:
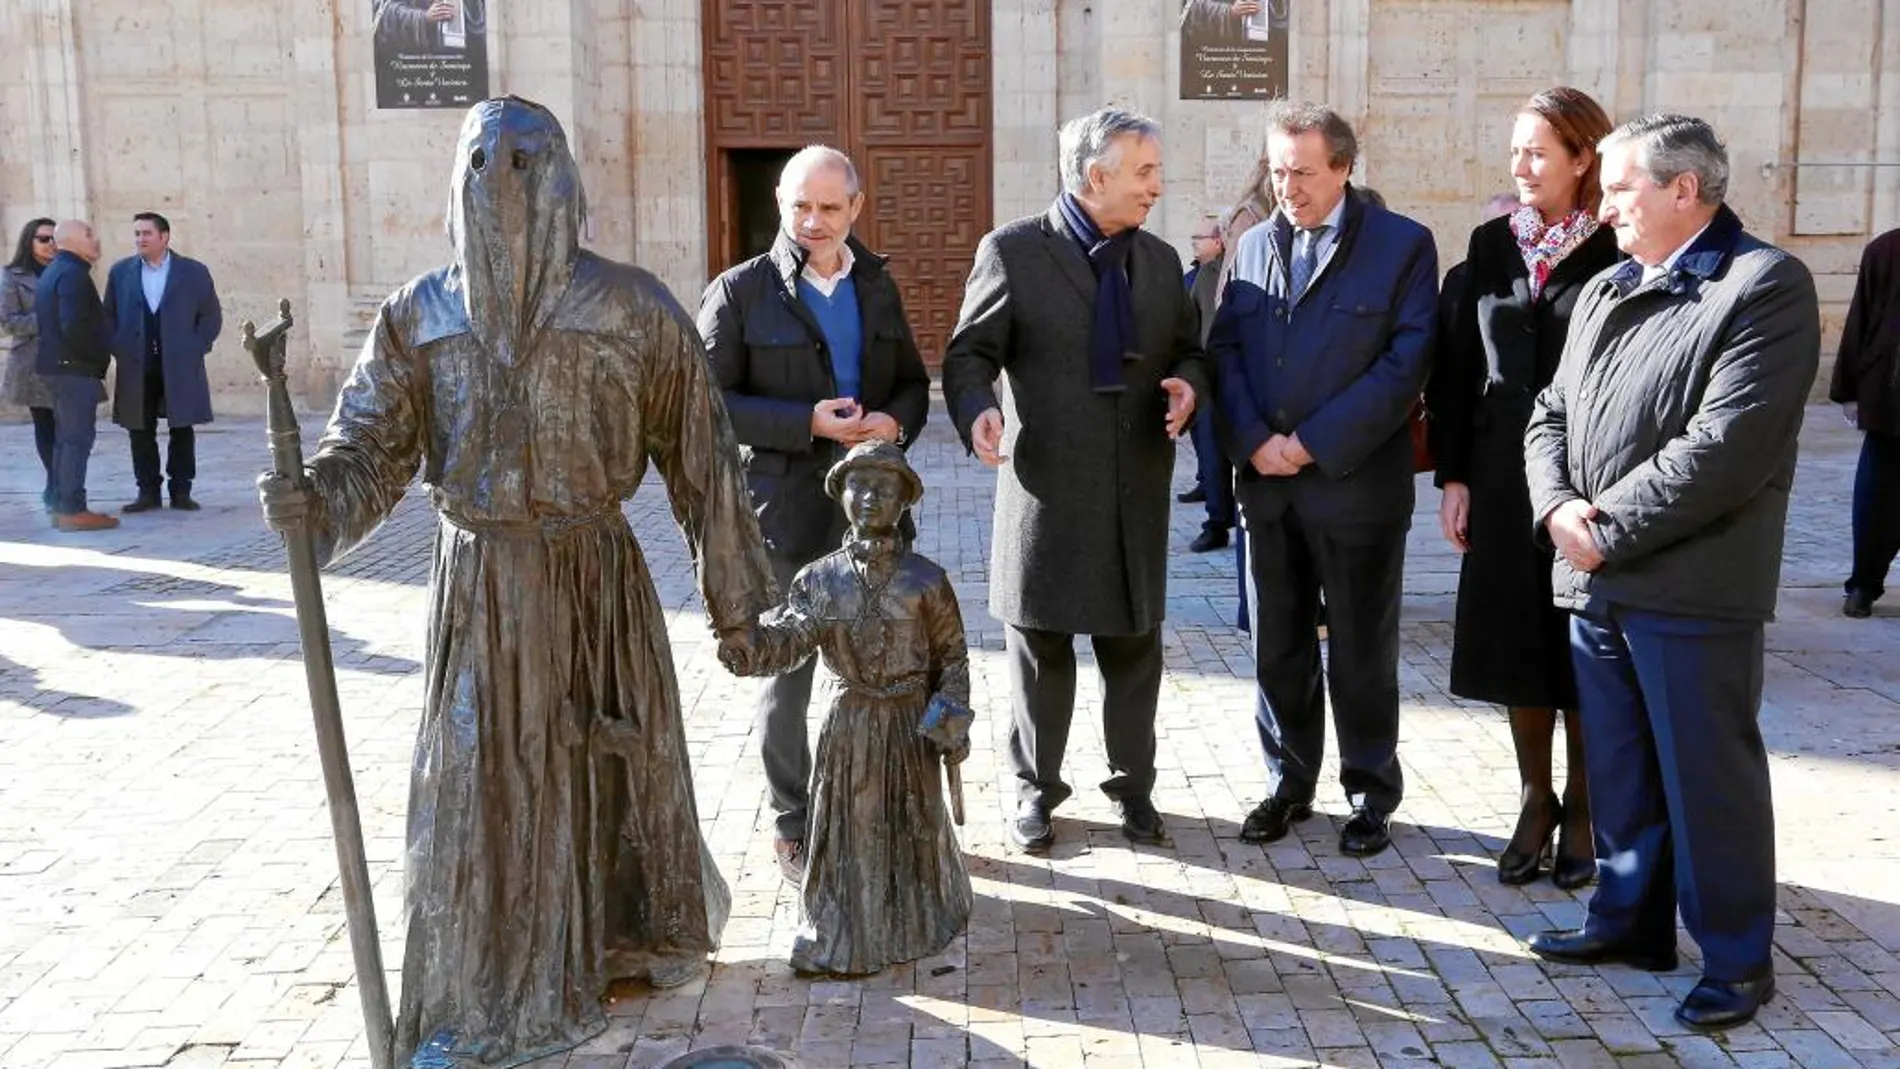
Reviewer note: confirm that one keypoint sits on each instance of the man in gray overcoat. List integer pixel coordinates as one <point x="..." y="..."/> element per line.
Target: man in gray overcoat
<point x="1099" y="354"/>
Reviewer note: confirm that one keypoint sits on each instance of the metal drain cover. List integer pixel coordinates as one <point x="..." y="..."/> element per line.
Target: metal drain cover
<point x="731" y="1058"/>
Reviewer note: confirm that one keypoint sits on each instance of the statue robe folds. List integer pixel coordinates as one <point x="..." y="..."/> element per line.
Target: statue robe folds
<point x="884" y="878"/>
<point x="553" y="843"/>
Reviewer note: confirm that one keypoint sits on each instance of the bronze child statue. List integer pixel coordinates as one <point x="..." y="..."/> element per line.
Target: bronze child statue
<point x="884" y="881"/>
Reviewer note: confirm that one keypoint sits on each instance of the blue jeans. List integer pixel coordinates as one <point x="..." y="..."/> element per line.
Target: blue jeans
<point x="75" y="414"/>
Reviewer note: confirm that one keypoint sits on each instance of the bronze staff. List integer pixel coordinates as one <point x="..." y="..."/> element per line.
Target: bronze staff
<point x="313" y="626"/>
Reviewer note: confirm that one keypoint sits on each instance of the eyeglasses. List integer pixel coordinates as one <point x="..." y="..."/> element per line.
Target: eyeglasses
<point x="42" y="239"/>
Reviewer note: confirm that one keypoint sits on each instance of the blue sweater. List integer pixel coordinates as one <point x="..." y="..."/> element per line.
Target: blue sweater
<point x="844" y="331"/>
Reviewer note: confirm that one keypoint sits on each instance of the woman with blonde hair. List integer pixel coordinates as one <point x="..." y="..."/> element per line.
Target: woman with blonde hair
<point x="1523" y="275"/>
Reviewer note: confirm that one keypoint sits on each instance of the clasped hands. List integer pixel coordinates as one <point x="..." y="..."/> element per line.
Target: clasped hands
<point x="1570" y="530"/>
<point x="843" y="420"/>
<point x="1281" y="454"/>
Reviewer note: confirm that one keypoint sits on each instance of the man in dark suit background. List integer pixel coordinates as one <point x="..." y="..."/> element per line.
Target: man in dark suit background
<point x="1324" y="340"/>
<point x="166" y="317"/>
<point x="1213" y="475"/>
<point x="1867" y="388"/>
<point x="810" y="346"/>
<point x="1083" y="316"/>
<point x="74" y="357"/>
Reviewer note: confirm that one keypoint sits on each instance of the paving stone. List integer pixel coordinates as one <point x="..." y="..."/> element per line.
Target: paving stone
<point x="190" y="916"/>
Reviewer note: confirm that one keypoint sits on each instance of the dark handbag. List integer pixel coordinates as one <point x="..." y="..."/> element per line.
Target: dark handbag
<point x="1420" y="426"/>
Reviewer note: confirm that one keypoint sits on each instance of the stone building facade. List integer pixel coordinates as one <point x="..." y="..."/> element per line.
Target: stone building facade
<point x="257" y="131"/>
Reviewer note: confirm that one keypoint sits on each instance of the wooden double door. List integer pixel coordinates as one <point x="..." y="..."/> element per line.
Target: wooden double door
<point x="902" y="86"/>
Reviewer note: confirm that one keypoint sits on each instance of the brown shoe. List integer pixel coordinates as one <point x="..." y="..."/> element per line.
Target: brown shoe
<point x="86" y="521"/>
<point x="791" y="859"/>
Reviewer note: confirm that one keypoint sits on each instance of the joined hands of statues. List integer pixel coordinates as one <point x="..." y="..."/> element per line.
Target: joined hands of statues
<point x="287" y="502"/>
<point x="739" y="648"/>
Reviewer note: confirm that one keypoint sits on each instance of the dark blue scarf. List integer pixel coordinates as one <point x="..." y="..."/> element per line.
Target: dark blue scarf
<point x="1113" y="332"/>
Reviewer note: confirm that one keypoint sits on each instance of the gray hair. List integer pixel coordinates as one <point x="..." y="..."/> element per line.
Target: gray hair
<point x="1296" y="117"/>
<point x="1093" y="141"/>
<point x="1672" y="145"/>
<point x="817" y="158"/>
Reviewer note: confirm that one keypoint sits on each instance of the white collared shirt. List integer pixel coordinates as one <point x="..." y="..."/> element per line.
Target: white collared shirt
<point x="1328" y="241"/>
<point x="153" y="279"/>
<point x="828" y="286"/>
<point x="1651" y="274"/>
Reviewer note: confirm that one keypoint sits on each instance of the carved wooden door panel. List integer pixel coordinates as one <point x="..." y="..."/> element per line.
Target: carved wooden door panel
<point x="921" y="129"/>
<point x="903" y="86"/>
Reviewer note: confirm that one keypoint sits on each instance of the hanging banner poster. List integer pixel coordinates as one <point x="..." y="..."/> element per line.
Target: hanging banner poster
<point x="1233" y="49"/>
<point x="430" y="53"/>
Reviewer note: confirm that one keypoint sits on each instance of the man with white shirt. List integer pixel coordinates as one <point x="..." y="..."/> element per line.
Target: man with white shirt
<point x="1660" y="460"/>
<point x="811" y="349"/>
<point x="1324" y="339"/>
<point x="165" y="317"/>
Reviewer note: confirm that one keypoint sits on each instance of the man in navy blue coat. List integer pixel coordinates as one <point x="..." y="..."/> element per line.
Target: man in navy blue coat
<point x="165" y="317"/>
<point x="1323" y="340"/>
<point x="73" y="358"/>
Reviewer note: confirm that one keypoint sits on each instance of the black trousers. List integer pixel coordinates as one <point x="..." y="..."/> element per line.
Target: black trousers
<point x="181" y="443"/>
<point x="1360" y="569"/>
<point x="1042" y="684"/>
<point x="782" y="716"/>
<point x="1876" y="513"/>
<point x="43" y="438"/>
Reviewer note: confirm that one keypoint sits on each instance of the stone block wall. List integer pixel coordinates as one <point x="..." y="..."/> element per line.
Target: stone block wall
<point x="260" y="138"/>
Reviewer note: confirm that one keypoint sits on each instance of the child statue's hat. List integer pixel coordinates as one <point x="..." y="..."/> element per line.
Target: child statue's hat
<point x="878" y="455"/>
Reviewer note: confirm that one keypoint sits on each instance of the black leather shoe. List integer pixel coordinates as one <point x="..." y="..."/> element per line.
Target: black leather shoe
<point x="1192" y="497"/>
<point x="185" y="503"/>
<point x="1584" y="947"/>
<point x="1717" y="1004"/>
<point x="1210" y="539"/>
<point x="1365" y="834"/>
<point x="144" y="503"/>
<point x="1140" y="822"/>
<point x="1031" y="829"/>
<point x="1272" y="819"/>
<point x="1856" y="605"/>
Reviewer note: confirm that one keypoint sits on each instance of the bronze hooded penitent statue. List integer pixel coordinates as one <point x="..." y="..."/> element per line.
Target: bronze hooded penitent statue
<point x="553" y="843"/>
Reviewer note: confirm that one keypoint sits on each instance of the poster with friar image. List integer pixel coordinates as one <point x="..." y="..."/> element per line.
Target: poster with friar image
<point x="1233" y="49"/>
<point x="431" y="53"/>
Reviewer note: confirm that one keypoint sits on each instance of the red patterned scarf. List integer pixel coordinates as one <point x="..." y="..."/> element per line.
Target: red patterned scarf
<point x="1545" y="246"/>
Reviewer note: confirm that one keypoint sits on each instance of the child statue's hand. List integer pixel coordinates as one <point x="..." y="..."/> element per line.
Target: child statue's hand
<point x="739" y="649"/>
<point x="957" y="755"/>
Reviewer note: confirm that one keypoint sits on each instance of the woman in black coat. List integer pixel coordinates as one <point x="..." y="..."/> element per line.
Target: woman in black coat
<point x="1523" y="274"/>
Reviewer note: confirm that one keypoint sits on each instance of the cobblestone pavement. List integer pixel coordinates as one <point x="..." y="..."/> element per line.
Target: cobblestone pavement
<point x="169" y="893"/>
